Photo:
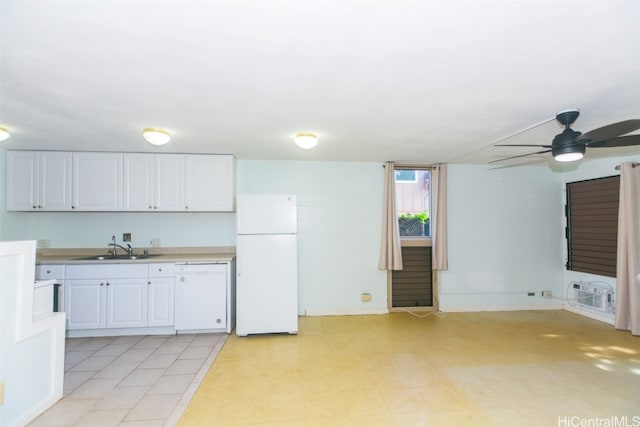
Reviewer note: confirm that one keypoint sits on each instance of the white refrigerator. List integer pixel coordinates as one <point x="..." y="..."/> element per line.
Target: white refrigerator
<point x="266" y="264"/>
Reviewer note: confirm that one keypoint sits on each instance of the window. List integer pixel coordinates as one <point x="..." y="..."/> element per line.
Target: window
<point x="592" y="225"/>
<point x="413" y="286"/>
<point x="405" y="175"/>
<point x="413" y="200"/>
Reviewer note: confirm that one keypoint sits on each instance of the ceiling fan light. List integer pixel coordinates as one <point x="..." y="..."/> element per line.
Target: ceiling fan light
<point x="568" y="153"/>
<point x="4" y="133"/>
<point x="306" y="140"/>
<point x="568" y="157"/>
<point x="156" y="136"/>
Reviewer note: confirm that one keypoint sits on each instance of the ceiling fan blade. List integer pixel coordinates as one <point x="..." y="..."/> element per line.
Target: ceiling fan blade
<point x="521" y="155"/>
<point x="522" y="145"/>
<point x="610" y="131"/>
<point x="621" y="141"/>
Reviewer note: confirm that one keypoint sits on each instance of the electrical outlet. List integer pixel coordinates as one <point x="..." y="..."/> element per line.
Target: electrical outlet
<point x="365" y="297"/>
<point x="126" y="237"/>
<point x="44" y="243"/>
<point x="1" y="393"/>
<point x="547" y="294"/>
<point x="155" y="242"/>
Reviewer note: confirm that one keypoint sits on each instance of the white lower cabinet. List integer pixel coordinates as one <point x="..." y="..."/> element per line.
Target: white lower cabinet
<point x="126" y="303"/>
<point x="108" y="303"/>
<point x="106" y="296"/>
<point x="86" y="304"/>
<point x="155" y="298"/>
<point x="161" y="303"/>
<point x="54" y="272"/>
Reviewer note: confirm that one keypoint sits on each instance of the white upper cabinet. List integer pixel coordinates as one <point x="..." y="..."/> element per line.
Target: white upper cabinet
<point x="38" y="181"/>
<point x="139" y="182"/>
<point x="178" y="182"/>
<point x="97" y="181"/>
<point x="169" y="182"/>
<point x="209" y="183"/>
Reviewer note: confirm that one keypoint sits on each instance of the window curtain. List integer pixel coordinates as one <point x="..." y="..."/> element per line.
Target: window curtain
<point x="628" y="266"/>
<point x="390" y="253"/>
<point x="439" y="217"/>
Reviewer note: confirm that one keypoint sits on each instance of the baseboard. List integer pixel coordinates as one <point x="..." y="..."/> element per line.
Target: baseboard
<point x="35" y="411"/>
<point x="345" y="312"/>
<point x="460" y="309"/>
<point x="590" y="314"/>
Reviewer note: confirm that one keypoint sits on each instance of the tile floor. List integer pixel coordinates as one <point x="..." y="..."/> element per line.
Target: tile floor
<point x="131" y="381"/>
<point x="528" y="368"/>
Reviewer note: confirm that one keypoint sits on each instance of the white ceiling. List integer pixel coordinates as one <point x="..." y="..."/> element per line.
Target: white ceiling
<point x="409" y="81"/>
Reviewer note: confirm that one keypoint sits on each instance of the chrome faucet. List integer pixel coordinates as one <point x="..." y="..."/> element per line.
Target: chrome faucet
<point x="115" y="247"/>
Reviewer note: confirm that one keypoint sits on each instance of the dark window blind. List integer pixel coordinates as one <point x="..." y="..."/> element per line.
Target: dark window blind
<point x="592" y="225"/>
<point x="411" y="286"/>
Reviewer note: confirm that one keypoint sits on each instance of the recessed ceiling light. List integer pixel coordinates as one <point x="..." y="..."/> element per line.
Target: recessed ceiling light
<point x="306" y="140"/>
<point x="156" y="136"/>
<point x="4" y="133"/>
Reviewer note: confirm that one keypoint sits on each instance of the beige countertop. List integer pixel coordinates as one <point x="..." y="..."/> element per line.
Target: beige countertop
<point x="183" y="254"/>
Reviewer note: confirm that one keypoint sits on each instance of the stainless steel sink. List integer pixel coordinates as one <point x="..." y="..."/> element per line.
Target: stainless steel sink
<point x="114" y="258"/>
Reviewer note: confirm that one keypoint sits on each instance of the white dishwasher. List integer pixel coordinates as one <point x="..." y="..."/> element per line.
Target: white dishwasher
<point x="201" y="297"/>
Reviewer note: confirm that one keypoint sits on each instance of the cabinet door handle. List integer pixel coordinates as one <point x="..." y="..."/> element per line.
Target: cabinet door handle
<point x="182" y="279"/>
<point x="149" y="282"/>
<point x="107" y="283"/>
<point x="101" y="284"/>
<point x="48" y="271"/>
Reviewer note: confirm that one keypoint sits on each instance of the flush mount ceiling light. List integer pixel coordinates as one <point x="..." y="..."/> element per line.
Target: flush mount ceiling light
<point x="156" y="136"/>
<point x="306" y="140"/>
<point x="4" y="133"/>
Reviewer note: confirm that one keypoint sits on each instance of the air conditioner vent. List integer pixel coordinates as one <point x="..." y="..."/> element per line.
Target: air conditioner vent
<point x="593" y="295"/>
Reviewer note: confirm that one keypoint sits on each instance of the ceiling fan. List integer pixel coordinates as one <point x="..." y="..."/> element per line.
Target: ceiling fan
<point x="571" y="145"/>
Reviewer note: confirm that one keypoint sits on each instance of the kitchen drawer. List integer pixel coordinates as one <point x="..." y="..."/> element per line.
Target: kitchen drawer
<point x="49" y="272"/>
<point x="162" y="269"/>
<point x="106" y="271"/>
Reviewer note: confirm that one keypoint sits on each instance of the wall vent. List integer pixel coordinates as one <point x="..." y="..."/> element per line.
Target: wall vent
<point x="596" y="296"/>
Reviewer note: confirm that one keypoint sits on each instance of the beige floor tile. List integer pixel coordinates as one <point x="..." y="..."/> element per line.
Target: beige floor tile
<point x="118" y="369"/>
<point x="158" y="361"/>
<point x="102" y="418"/>
<point x="142" y="377"/>
<point x="122" y="398"/>
<point x="136" y="354"/>
<point x="93" y="363"/>
<point x="195" y="352"/>
<point x="64" y="413"/>
<point x="172" y="347"/>
<point x="154" y="407"/>
<point x="94" y="388"/>
<point x="168" y="384"/>
<point x="73" y="380"/>
<point x="184" y="366"/>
